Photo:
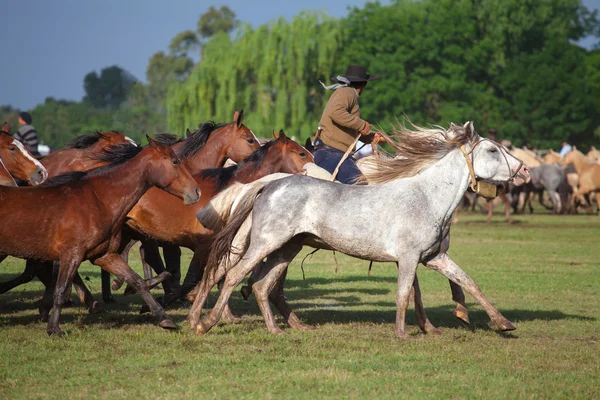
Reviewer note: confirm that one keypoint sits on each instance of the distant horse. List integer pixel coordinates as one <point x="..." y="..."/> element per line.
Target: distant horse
<point x="593" y="154"/>
<point x="80" y="153"/>
<point x="435" y="164"/>
<point x="80" y="217"/>
<point x="550" y="178"/>
<point x="160" y="217"/>
<point x="208" y="147"/>
<point x="17" y="163"/>
<point x="581" y="164"/>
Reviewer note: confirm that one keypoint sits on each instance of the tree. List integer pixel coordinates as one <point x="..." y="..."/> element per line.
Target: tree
<point x="215" y="21"/>
<point x="109" y="89"/>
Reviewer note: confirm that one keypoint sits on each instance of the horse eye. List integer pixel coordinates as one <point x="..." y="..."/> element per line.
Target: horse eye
<point x="303" y="154"/>
<point x="251" y="141"/>
<point x="493" y="150"/>
<point x="175" y="161"/>
<point x="12" y="148"/>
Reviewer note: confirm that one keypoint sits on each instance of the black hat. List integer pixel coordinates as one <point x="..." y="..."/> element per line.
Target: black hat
<point x="25" y="116"/>
<point x="356" y="73"/>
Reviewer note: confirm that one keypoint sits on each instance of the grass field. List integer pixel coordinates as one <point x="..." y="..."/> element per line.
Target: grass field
<point x="542" y="273"/>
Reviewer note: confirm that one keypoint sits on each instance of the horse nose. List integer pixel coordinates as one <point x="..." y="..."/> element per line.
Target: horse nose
<point x="198" y="193"/>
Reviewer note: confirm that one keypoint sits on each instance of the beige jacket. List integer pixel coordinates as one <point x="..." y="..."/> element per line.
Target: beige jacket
<point x="340" y="122"/>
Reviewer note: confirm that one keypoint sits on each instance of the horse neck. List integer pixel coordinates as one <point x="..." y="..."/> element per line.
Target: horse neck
<point x="444" y="183"/>
<point x="212" y="155"/>
<point x="122" y="187"/>
<point x="250" y="172"/>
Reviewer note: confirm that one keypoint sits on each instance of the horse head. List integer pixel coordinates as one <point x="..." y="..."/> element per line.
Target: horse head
<point x="18" y="161"/>
<point x="293" y="155"/>
<point x="169" y="174"/>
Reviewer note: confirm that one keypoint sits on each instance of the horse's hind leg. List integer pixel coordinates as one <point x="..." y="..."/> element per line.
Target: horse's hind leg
<point x="26" y="276"/>
<point x="444" y="265"/>
<point x="275" y="269"/>
<point x="407" y="269"/>
<point x="172" y="256"/>
<point x="461" y="312"/>
<point x="422" y="320"/>
<point x="115" y="265"/>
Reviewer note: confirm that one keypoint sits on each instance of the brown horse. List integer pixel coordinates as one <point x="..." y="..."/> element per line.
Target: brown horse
<point x="208" y="147"/>
<point x="159" y="217"/>
<point x="80" y="154"/>
<point x="17" y="162"/>
<point x="82" y="218"/>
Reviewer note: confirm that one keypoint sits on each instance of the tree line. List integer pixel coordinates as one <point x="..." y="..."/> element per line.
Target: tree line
<point x="512" y="65"/>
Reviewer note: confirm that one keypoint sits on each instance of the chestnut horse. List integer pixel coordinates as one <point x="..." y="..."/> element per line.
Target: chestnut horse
<point x="208" y="147"/>
<point x="159" y="217"/>
<point x="16" y="163"/>
<point x="82" y="218"/>
<point x="80" y="154"/>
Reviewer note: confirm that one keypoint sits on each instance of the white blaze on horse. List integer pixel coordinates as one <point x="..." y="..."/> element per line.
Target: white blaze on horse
<point x="405" y="218"/>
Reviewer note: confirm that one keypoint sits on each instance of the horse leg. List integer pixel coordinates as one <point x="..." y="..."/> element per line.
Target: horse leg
<point x="172" y="256"/>
<point x="85" y="296"/>
<point x="275" y="268"/>
<point x="151" y="260"/>
<point x="26" y="276"/>
<point x="490" y="210"/>
<point x="69" y="263"/>
<point x="235" y="275"/>
<point x="407" y="270"/>
<point x="424" y="324"/>
<point x="447" y="267"/>
<point x="125" y="246"/>
<point x="115" y="265"/>
<point x="461" y="312"/>
<point x="506" y="202"/>
<point x="49" y="280"/>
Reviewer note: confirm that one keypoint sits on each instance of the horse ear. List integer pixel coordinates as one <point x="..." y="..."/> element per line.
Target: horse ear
<point x="152" y="142"/>
<point x="238" y="118"/>
<point x="275" y="134"/>
<point x="469" y="128"/>
<point x="6" y="127"/>
<point x="188" y="133"/>
<point x="307" y="143"/>
<point x="282" y="136"/>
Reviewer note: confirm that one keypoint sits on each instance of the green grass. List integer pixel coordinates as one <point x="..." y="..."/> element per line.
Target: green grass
<point x="543" y="273"/>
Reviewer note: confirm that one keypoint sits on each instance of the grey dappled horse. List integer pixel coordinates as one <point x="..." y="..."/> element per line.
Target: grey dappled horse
<point x="435" y="165"/>
<point x="550" y="178"/>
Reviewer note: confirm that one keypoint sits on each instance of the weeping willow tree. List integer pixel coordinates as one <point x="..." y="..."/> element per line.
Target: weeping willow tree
<point x="270" y="72"/>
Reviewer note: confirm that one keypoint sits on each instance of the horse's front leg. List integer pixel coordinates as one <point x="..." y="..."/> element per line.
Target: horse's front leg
<point x="444" y="265"/>
<point x="69" y="263"/>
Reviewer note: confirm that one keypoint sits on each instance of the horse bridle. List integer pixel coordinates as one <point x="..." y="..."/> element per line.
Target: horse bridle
<point x="486" y="189"/>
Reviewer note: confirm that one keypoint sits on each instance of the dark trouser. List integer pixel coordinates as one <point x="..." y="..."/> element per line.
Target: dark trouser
<point x="328" y="158"/>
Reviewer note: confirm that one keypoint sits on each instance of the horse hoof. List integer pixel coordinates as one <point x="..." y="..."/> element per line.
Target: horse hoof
<point x="433" y="331"/>
<point x="246" y="292"/>
<point x="277" y="331"/>
<point x="304" y="327"/>
<point x="96" y="308"/>
<point x="402" y="335"/>
<point x="506" y="326"/>
<point x="462" y="314"/>
<point x="229" y="317"/>
<point x="167" y="323"/>
<point x="55" y="332"/>
<point x="200" y="330"/>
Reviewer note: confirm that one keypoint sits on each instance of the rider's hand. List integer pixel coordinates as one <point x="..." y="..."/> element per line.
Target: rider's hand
<point x="378" y="138"/>
<point x="367" y="129"/>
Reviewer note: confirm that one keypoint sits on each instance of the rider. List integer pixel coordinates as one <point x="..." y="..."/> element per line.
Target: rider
<point x="341" y="124"/>
<point x="27" y="134"/>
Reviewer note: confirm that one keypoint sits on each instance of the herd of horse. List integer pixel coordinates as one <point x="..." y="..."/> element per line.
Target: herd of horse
<point x="104" y="193"/>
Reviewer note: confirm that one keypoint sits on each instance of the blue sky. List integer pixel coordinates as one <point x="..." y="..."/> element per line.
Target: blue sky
<point x="49" y="45"/>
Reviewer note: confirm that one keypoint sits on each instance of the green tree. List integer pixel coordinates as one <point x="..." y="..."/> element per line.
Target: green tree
<point x="215" y="21"/>
<point x="110" y="88"/>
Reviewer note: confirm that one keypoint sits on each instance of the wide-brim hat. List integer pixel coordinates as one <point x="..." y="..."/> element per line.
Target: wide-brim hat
<point x="356" y="73"/>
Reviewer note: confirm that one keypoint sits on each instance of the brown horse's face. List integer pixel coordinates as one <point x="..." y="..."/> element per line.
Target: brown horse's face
<point x="19" y="162"/>
<point x="293" y="156"/>
<point x="169" y="174"/>
<point x="241" y="142"/>
<point x="114" y="139"/>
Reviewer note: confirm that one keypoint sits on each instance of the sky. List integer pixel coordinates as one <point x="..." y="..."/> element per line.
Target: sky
<point x="48" y="46"/>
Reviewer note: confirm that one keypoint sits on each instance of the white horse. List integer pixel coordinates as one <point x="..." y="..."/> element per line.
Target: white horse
<point x="405" y="219"/>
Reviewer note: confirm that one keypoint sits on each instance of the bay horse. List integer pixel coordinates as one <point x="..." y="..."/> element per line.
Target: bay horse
<point x="80" y="154"/>
<point x="80" y="217"/>
<point x="16" y="163"/>
<point x="436" y="164"/>
<point x="160" y="217"/>
<point x="208" y="147"/>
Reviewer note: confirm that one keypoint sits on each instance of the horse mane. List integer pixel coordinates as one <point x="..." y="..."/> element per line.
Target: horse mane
<point x="168" y="139"/>
<point x="416" y="149"/>
<point x="64" y="178"/>
<point x="117" y="154"/>
<point x="86" y="141"/>
<point x="194" y="143"/>
<point x="223" y="176"/>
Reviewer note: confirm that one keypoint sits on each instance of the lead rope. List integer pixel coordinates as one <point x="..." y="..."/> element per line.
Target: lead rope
<point x="471" y="171"/>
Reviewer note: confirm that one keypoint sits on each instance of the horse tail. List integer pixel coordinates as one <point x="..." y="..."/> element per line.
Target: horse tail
<point x="223" y="246"/>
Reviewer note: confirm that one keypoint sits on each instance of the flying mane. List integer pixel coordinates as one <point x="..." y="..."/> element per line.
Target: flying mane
<point x="224" y="175"/>
<point x="416" y="148"/>
<point x="194" y="143"/>
<point x="86" y="141"/>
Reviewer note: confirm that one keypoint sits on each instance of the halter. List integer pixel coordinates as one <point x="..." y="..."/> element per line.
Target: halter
<point x="485" y="189"/>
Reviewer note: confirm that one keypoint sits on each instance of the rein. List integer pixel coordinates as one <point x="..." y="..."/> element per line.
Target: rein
<point x="485" y="189"/>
